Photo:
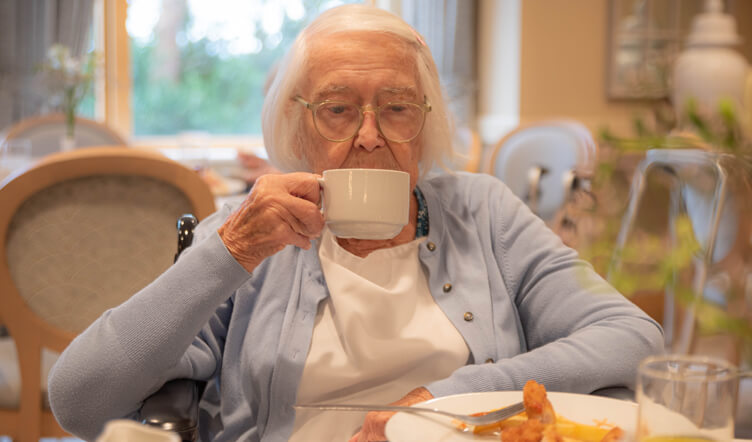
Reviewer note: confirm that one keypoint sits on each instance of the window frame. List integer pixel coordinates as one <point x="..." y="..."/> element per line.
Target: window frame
<point x="113" y="79"/>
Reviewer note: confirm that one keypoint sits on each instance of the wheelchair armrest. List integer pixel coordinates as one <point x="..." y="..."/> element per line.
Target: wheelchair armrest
<point x="186" y="225"/>
<point x="174" y="407"/>
<point x="622" y="393"/>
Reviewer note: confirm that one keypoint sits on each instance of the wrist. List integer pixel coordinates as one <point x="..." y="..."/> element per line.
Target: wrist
<point x="244" y="259"/>
<point x="419" y="394"/>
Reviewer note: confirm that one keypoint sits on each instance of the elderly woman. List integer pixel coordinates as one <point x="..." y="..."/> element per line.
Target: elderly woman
<point x="474" y="294"/>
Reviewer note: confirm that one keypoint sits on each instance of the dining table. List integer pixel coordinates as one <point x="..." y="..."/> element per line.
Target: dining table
<point x="220" y="167"/>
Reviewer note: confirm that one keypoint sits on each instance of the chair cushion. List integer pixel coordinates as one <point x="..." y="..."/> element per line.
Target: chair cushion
<point x="86" y="245"/>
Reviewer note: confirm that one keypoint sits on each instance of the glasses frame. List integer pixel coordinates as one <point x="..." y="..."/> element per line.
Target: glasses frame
<point x="424" y="107"/>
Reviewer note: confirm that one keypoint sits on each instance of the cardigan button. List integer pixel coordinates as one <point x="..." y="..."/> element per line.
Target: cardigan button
<point x="489" y="361"/>
<point x="447" y="288"/>
<point x="431" y="246"/>
<point x="468" y="316"/>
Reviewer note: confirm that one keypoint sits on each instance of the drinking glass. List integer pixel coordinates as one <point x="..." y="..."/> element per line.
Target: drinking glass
<point x="193" y="149"/>
<point x="14" y="154"/>
<point x="686" y="399"/>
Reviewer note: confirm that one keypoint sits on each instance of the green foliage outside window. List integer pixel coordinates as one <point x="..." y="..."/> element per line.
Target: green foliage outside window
<point x="215" y="91"/>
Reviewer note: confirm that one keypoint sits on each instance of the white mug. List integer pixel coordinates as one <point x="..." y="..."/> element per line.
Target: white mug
<point x="365" y="203"/>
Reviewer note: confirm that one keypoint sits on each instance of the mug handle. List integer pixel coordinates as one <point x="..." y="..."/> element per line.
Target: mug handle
<point x="321" y="194"/>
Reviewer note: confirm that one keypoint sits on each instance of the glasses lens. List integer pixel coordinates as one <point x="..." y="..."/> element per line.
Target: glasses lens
<point x="337" y="121"/>
<point x="401" y="121"/>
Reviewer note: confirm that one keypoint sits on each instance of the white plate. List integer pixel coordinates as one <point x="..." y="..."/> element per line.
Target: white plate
<point x="231" y="186"/>
<point x="581" y="408"/>
<point x="223" y="186"/>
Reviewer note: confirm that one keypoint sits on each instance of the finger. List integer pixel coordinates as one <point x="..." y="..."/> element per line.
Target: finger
<point x="284" y="235"/>
<point x="355" y="437"/>
<point x="294" y="223"/>
<point x="302" y="241"/>
<point x="311" y="225"/>
<point x="286" y="196"/>
<point x="308" y="219"/>
<point x="305" y="185"/>
<point x="281" y="226"/>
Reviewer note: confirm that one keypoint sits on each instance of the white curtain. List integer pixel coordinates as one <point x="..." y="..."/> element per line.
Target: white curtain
<point x="448" y="27"/>
<point x="27" y="29"/>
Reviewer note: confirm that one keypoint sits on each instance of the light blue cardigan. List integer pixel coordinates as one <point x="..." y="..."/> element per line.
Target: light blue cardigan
<point x="527" y="307"/>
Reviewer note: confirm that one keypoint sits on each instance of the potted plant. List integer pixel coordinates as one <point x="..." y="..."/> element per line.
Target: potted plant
<point x="68" y="79"/>
<point x="665" y="251"/>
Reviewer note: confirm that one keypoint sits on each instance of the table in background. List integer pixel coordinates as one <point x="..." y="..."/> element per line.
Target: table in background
<point x="220" y="167"/>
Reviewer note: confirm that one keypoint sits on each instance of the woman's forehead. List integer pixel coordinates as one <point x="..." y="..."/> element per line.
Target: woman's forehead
<point x="349" y="62"/>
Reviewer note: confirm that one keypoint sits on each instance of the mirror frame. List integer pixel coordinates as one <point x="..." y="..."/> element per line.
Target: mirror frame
<point x="640" y="48"/>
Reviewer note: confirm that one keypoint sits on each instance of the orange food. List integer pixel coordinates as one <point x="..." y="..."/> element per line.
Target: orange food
<point x="539" y="423"/>
<point x="530" y="431"/>
<point x="543" y="425"/>
<point x="537" y="405"/>
<point x="489" y="428"/>
<point x="616" y="434"/>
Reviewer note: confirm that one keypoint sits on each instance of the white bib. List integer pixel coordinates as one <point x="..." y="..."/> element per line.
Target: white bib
<point x="378" y="335"/>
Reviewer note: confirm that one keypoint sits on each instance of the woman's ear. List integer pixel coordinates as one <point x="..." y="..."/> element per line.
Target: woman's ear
<point x="296" y="152"/>
<point x="301" y="148"/>
<point x="299" y="143"/>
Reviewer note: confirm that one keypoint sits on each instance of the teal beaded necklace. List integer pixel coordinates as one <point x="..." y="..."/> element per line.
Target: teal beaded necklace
<point x="421" y="227"/>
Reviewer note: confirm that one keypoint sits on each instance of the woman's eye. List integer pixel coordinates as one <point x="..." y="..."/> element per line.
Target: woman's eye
<point x="397" y="107"/>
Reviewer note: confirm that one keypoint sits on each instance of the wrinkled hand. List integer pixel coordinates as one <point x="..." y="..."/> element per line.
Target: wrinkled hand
<point x="373" y="427"/>
<point x="280" y="210"/>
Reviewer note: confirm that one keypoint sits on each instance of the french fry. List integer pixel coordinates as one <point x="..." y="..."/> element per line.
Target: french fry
<point x="558" y="426"/>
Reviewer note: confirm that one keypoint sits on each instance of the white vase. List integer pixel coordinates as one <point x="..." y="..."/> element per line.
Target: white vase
<point x="67" y="143"/>
<point x="710" y="69"/>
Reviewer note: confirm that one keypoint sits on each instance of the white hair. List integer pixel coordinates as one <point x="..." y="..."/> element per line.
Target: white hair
<point x="282" y="118"/>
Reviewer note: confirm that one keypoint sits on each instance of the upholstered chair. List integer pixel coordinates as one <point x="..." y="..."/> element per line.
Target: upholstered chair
<point x="80" y="232"/>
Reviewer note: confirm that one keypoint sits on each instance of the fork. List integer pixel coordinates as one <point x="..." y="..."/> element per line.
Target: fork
<point x="479" y="419"/>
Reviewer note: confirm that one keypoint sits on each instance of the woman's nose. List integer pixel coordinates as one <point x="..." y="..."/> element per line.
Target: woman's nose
<point x="368" y="136"/>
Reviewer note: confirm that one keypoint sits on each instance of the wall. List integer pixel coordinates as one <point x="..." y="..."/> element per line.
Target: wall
<point x="498" y="58"/>
<point x="562" y="65"/>
<point x="563" y="62"/>
<point x="742" y="11"/>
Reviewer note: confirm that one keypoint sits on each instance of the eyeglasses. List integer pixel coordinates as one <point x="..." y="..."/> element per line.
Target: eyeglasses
<point x="340" y="121"/>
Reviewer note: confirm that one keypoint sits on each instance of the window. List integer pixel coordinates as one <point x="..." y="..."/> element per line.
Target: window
<point x="174" y="66"/>
<point x="201" y="65"/>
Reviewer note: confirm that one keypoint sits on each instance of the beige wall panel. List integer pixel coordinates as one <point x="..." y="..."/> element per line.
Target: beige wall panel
<point x="563" y="63"/>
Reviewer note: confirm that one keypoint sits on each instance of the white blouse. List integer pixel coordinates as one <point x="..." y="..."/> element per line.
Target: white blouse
<point x="376" y="337"/>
